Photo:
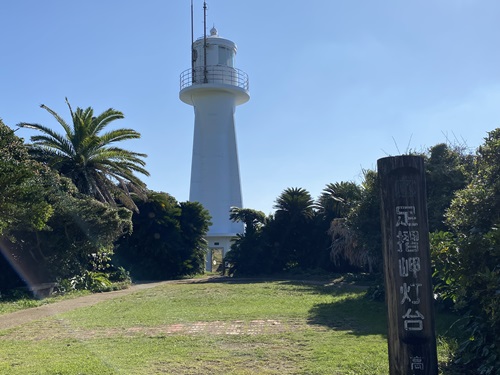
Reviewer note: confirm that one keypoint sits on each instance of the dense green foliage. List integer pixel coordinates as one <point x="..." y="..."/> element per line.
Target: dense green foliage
<point x="250" y="253"/>
<point x="337" y="200"/>
<point x="62" y="209"/>
<point x="448" y="170"/>
<point x="295" y="237"/>
<point x="62" y="220"/>
<point x="339" y="232"/>
<point x="291" y="229"/>
<point x="22" y="202"/>
<point x="467" y="259"/>
<point x="79" y="237"/>
<point x="167" y="240"/>
<point x="363" y="221"/>
<point x="53" y="231"/>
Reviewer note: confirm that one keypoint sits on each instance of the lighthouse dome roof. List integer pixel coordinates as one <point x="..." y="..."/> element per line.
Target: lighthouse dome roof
<point x="215" y="39"/>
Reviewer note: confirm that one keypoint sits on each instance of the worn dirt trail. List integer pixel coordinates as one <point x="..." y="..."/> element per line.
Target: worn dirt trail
<point x="25" y="316"/>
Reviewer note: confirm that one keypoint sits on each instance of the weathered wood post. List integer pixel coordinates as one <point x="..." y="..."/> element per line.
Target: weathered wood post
<point x="407" y="266"/>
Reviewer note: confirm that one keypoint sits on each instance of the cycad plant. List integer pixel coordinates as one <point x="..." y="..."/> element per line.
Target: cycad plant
<point x="294" y="204"/>
<point x="88" y="155"/>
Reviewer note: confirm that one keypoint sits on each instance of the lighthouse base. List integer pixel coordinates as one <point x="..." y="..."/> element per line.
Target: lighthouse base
<point x="218" y="247"/>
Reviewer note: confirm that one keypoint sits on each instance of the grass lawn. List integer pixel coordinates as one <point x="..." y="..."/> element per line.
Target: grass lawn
<point x="210" y="328"/>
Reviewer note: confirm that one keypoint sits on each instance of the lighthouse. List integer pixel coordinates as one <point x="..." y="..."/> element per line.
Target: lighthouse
<point x="214" y="87"/>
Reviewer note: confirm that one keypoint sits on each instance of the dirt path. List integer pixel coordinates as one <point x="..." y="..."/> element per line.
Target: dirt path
<point x="25" y="316"/>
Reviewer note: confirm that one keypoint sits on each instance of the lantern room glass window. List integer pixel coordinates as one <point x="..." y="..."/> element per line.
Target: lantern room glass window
<point x="226" y="56"/>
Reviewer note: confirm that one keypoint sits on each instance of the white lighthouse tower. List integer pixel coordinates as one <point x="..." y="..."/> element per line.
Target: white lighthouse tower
<point x="214" y="87"/>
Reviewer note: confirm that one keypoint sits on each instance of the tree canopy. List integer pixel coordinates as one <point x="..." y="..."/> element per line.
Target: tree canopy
<point x="22" y="202"/>
<point x="467" y="259"/>
<point x="88" y="155"/>
<point x="167" y="240"/>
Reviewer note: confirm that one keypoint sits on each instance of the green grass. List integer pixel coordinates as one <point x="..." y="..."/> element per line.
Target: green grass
<point x="305" y="329"/>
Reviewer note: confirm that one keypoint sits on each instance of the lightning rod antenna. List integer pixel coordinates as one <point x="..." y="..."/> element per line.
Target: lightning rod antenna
<point x="205" y="41"/>
<point x="193" y="52"/>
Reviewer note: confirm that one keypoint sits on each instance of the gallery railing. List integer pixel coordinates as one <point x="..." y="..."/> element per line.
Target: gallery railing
<point x="214" y="74"/>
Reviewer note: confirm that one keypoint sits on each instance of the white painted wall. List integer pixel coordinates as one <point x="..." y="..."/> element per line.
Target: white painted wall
<point x="215" y="177"/>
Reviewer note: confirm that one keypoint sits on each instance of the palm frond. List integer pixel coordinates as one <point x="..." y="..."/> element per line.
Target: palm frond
<point x="69" y="106"/>
<point x="46" y="155"/>
<point x="119" y="135"/>
<point x="101" y="121"/>
<point x="121" y="150"/>
<point x="51" y="138"/>
<point x="60" y="120"/>
<point x="63" y="145"/>
<point x="118" y="156"/>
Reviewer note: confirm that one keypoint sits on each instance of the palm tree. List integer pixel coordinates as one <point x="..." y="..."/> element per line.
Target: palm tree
<point x="296" y="204"/>
<point x="337" y="199"/>
<point x="252" y="219"/>
<point x="88" y="157"/>
<point x="292" y="229"/>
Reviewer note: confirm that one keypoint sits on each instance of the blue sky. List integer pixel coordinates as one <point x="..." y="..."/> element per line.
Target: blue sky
<point x="334" y="84"/>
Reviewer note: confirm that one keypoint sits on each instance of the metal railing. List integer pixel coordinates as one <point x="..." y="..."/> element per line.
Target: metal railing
<point x="214" y="74"/>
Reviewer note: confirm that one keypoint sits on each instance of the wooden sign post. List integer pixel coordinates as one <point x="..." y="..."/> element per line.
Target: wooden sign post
<point x="407" y="266"/>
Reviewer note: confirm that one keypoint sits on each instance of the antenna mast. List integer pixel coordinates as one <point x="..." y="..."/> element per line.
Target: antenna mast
<point x="205" y="41"/>
<point x="193" y="52"/>
<point x="192" y="27"/>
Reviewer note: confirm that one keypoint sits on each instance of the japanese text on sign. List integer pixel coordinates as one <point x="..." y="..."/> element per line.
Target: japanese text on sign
<point x="409" y="265"/>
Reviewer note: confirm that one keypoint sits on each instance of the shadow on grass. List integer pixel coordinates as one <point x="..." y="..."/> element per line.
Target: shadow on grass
<point x="320" y="286"/>
<point x="350" y="303"/>
<point x="350" y="311"/>
<point x="353" y="314"/>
